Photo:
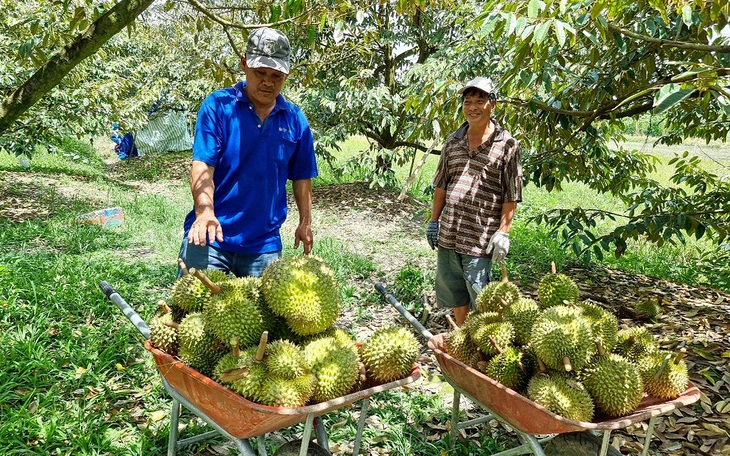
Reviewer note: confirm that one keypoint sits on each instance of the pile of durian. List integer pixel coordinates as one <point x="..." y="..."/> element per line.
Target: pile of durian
<point x="565" y="354"/>
<point x="273" y="339"/>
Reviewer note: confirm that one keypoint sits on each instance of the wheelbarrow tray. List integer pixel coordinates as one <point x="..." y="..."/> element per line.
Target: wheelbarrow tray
<point x="240" y="417"/>
<point x="532" y="418"/>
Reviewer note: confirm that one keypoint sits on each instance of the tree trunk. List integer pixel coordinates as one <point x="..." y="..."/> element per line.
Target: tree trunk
<point x="60" y="64"/>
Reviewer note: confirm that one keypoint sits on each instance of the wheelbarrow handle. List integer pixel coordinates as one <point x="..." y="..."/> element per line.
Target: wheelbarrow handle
<point x="407" y="315"/>
<point x="126" y="309"/>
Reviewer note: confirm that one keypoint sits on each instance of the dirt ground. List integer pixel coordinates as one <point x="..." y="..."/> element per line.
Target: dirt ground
<point x="374" y="223"/>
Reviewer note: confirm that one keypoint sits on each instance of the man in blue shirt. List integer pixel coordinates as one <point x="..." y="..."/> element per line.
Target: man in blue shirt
<point x="249" y="140"/>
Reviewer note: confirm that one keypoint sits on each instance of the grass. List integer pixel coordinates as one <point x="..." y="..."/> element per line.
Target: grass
<point x="74" y="377"/>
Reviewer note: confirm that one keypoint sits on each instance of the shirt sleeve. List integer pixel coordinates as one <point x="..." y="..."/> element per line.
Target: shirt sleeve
<point x="441" y="176"/>
<point x="207" y="145"/>
<point x="512" y="178"/>
<point x="303" y="164"/>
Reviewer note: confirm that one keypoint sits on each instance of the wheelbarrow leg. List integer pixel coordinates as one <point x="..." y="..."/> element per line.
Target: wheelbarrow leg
<point x="307" y="434"/>
<point x="321" y="433"/>
<point x="174" y="431"/>
<point x="606" y="442"/>
<point x="361" y="425"/>
<point x="455" y="418"/>
<point x="649" y="433"/>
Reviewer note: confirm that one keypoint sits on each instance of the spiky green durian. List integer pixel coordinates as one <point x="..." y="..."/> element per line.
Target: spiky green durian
<point x="304" y="291"/>
<point x="503" y="334"/>
<point x="497" y="295"/>
<point x="522" y="314"/>
<point x="635" y="342"/>
<point x="512" y="367"/>
<point x="280" y="392"/>
<point x="475" y="320"/>
<point x="562" y="338"/>
<point x="162" y="335"/>
<point x="199" y="348"/>
<point x="648" y="308"/>
<point x="389" y="353"/>
<point x="603" y="324"/>
<point x="556" y="289"/>
<point x="252" y="373"/>
<point x="190" y="294"/>
<point x="237" y="311"/>
<point x="614" y="383"/>
<point x="458" y="344"/>
<point x="285" y="360"/>
<point x="561" y="394"/>
<point x="665" y="376"/>
<point x="335" y="362"/>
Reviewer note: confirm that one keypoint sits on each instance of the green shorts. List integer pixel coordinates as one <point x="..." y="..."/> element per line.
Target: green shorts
<point x="460" y="277"/>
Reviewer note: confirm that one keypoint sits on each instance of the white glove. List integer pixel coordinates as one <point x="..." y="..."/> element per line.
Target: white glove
<point x="500" y="244"/>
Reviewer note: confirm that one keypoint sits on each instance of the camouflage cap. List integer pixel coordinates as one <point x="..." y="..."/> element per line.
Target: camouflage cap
<point x="268" y="48"/>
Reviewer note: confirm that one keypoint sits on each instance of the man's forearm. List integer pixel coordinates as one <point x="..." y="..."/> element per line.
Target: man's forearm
<point x="202" y="187"/>
<point x="439" y="201"/>
<point x="508" y="213"/>
<point x="302" y="190"/>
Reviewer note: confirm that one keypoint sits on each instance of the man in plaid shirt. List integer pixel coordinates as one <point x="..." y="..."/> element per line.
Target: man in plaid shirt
<point x="478" y="184"/>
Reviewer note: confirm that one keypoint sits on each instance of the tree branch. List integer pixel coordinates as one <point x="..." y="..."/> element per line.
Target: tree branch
<point x="225" y="23"/>
<point x="671" y="43"/>
<point x="50" y="74"/>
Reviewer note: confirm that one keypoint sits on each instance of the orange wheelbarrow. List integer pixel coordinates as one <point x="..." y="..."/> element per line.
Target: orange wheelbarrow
<point x="236" y="418"/>
<point x="535" y="425"/>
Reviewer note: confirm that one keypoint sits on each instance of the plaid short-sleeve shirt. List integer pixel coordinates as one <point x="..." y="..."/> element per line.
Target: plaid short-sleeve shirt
<point x="476" y="184"/>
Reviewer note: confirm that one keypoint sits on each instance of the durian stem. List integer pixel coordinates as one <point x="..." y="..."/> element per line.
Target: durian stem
<point x="363" y="373"/>
<point x="505" y="279"/>
<point x="162" y="304"/>
<point x="682" y="353"/>
<point x="566" y="363"/>
<point x="235" y="350"/>
<point x="183" y="267"/>
<point x="541" y="366"/>
<point x="452" y="323"/>
<point x="503" y="302"/>
<point x="600" y="349"/>
<point x="553" y="269"/>
<point x="262" y="346"/>
<point x="663" y="366"/>
<point x="495" y="345"/>
<point x="172" y="324"/>
<point x="212" y="286"/>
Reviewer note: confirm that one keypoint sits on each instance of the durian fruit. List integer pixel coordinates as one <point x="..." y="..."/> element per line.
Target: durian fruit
<point x="389" y="353"/>
<point x="304" y="291"/>
<point x="235" y="309"/>
<point x="648" y="308"/>
<point x="665" y="376"/>
<point x="522" y="314"/>
<point x="563" y="339"/>
<point x="190" y="294"/>
<point x="614" y="383"/>
<point x="603" y="324"/>
<point x="475" y="320"/>
<point x="274" y="374"/>
<point x="561" y="394"/>
<point x="503" y="333"/>
<point x="511" y="367"/>
<point x="497" y="295"/>
<point x="556" y="289"/>
<point x="163" y="336"/>
<point x="199" y="349"/>
<point x="458" y="344"/>
<point x="335" y="362"/>
<point x="635" y="342"/>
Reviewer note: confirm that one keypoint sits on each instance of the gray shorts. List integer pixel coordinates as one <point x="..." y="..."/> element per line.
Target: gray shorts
<point x="460" y="277"/>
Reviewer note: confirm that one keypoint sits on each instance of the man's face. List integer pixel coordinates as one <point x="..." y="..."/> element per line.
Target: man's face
<point x="477" y="108"/>
<point x="263" y="85"/>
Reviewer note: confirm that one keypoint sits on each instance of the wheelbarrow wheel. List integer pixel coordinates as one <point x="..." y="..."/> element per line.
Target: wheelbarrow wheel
<point x="577" y="444"/>
<point x="293" y="448"/>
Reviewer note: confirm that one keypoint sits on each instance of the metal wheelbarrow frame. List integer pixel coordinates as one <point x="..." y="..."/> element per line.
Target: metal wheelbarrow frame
<point x="233" y="416"/>
<point x="527" y="418"/>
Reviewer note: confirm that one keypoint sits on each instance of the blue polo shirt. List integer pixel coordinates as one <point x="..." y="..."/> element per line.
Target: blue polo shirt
<point x="252" y="162"/>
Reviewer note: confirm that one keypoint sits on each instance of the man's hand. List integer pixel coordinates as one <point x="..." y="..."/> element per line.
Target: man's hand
<point x="499" y="243"/>
<point x="304" y="234"/>
<point x="432" y="234"/>
<point x="205" y="228"/>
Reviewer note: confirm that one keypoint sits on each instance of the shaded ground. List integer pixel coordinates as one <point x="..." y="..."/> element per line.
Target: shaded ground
<point x="373" y="223"/>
